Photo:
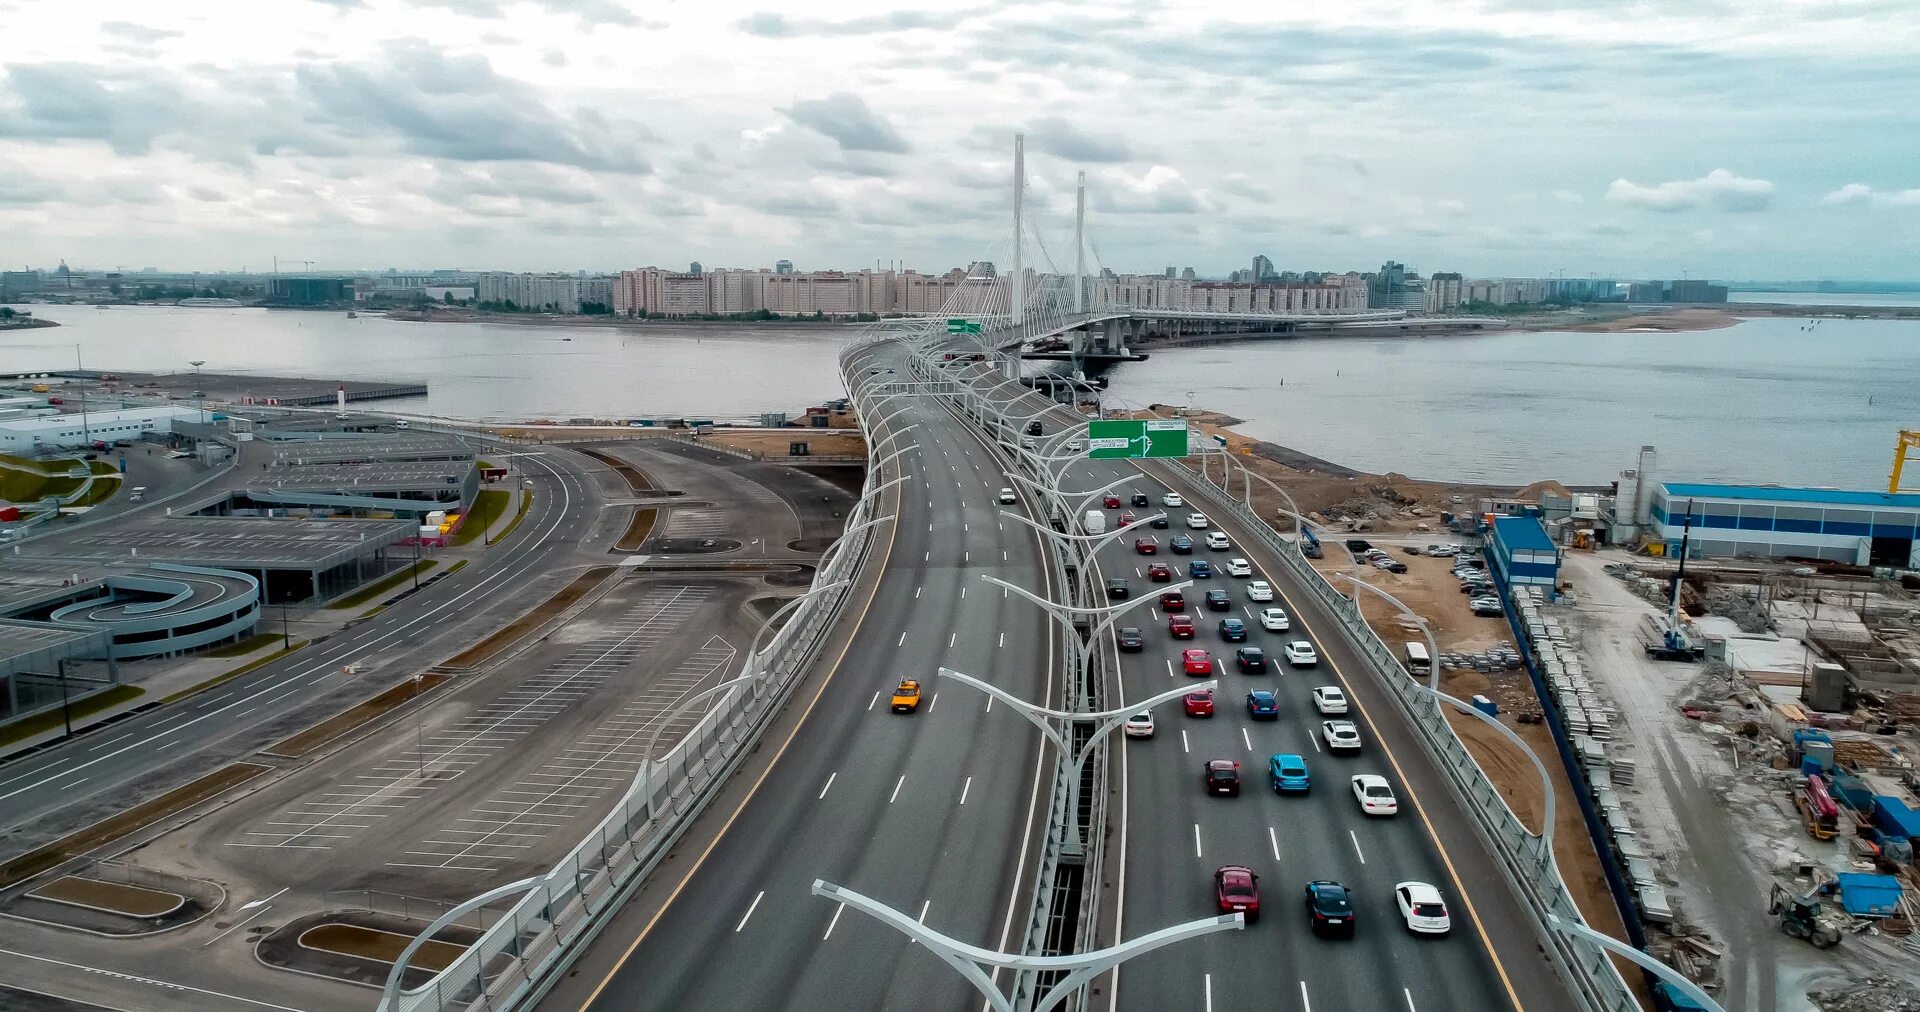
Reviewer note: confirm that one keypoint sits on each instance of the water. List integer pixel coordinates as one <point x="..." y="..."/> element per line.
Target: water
<point x="1897" y="299"/>
<point x="1763" y="401"/>
<point x="474" y="370"/>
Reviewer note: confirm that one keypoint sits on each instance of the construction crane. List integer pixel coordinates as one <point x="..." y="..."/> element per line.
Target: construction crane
<point x="1909" y="442"/>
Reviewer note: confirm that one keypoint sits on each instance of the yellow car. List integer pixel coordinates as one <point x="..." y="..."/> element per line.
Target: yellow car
<point x="906" y="696"/>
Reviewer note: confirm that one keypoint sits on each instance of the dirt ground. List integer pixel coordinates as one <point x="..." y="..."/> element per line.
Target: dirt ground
<point x="1664" y="320"/>
<point x="127" y="899"/>
<point x="819" y="442"/>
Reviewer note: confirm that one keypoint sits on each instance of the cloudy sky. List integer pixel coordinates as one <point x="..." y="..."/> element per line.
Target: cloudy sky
<point x="1726" y="138"/>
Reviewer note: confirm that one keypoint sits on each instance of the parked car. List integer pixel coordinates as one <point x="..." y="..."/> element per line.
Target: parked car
<point x="1390" y="565"/>
<point x="1300" y="654"/>
<point x="1341" y="736"/>
<point x="1239" y="567"/>
<point x="1288" y="774"/>
<point x="1275" y="620"/>
<point x="1221" y="776"/>
<point x="1233" y="630"/>
<point x="1218" y="542"/>
<point x="1250" y="660"/>
<point x="1199" y="703"/>
<point x="1439" y="551"/>
<point x="1487" y="606"/>
<point x="1131" y="640"/>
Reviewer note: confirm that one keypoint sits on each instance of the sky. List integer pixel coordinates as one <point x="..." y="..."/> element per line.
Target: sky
<point x="1646" y="138"/>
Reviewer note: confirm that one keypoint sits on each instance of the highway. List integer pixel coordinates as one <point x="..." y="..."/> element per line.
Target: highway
<point x="931" y="812"/>
<point x="1174" y="835"/>
<point x="88" y="777"/>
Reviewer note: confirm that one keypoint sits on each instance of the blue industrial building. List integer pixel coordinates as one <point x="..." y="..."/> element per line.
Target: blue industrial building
<point x="1523" y="555"/>
<point x="1772" y="522"/>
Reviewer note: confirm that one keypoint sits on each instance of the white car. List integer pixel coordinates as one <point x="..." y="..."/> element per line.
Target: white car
<point x="1260" y="590"/>
<point x="1300" y="654"/>
<point x="1140" y="725"/>
<point x="1340" y="735"/>
<point x="1172" y="499"/>
<point x="1274" y="620"/>
<point x="1329" y="700"/>
<point x="1074" y="446"/>
<point x="1197" y="521"/>
<point x="1007" y="497"/>
<point x="1421" y="905"/>
<point x="1217" y="541"/>
<point x="1439" y="551"/>
<point x="1374" y="795"/>
<point x="1239" y="567"/>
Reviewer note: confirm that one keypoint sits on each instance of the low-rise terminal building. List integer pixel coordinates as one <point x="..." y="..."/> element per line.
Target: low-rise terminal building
<point x="27" y="435"/>
<point x="1777" y="522"/>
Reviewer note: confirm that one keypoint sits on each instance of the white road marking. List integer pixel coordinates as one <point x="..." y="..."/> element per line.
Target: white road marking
<point x="1169" y="667"/>
<point x="1243" y="737"/>
<point x="950" y="638"/>
<point x="169" y="985"/>
<point x="989" y="704"/>
<point x="926" y="557"/>
<point x="1305" y="1005"/>
<point x="935" y="701"/>
<point x="964" y="788"/>
<point x="1356" y="846"/>
<point x="829" y="786"/>
<point x="1274" y="842"/>
<point x="1409" y="997"/>
<point x="916" y="593"/>
<point x="876" y="699"/>
<point x="1184" y="746"/>
<point x="42" y="769"/>
<point x="237" y="926"/>
<point x="1206" y="989"/>
<point x="1196" y="839"/>
<point x="963" y="593"/>
<point x="896" y="789"/>
<point x="1003" y="639"/>
<point x="750" y="909"/>
<point x="923" y="911"/>
<point x="1313" y="739"/>
<point x="831" y="923"/>
<point x="903" y="639"/>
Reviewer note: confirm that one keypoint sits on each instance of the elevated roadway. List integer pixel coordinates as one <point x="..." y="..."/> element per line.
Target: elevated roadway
<point x="932" y="813"/>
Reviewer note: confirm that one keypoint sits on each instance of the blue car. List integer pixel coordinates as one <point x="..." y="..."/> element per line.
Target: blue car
<point x="1263" y="705"/>
<point x="1233" y="630"/>
<point x="1288" y="772"/>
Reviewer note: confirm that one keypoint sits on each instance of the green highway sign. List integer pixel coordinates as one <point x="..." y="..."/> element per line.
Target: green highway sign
<point x="1136" y="437"/>
<point x="962" y="327"/>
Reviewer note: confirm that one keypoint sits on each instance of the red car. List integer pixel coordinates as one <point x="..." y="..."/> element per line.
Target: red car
<point x="1172" y="601"/>
<point x="1237" y="889"/>
<point x="1111" y="502"/>
<point x="1181" y="626"/>
<point x="1145" y="546"/>
<point x="1200" y="703"/>
<point x="1127" y="518"/>
<point x="1160" y="572"/>
<point x="1197" y="662"/>
<point x="1222" y="777"/>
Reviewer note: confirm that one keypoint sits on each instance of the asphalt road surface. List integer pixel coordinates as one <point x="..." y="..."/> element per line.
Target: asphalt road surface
<point x="927" y="812"/>
<point x="81" y="780"/>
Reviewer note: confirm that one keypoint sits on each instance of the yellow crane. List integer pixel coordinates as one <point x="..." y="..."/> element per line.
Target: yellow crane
<point x="1909" y="442"/>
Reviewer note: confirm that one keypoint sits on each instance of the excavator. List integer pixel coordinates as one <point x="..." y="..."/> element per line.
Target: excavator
<point x="1803" y="916"/>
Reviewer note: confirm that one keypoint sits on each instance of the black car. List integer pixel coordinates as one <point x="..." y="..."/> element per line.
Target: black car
<point x="1251" y="660"/>
<point x="1159" y="522"/>
<point x="1221" y="776"/>
<point x="1180" y="544"/>
<point x="1033" y="427"/>
<point x="1116" y="588"/>
<point x="1330" y="908"/>
<point x="1132" y="640"/>
<point x="1233" y="630"/>
<point x="1217" y="600"/>
<point x="1140" y="499"/>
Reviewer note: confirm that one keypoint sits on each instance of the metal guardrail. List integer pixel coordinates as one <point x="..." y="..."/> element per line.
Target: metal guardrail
<point x="530" y="944"/>
<point x="1527" y="859"/>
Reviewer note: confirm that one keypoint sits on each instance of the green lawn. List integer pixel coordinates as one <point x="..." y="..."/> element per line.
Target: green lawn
<point x="83" y="708"/>
<point x="245" y="646"/>
<point x="526" y="503"/>
<point x="382" y="585"/>
<point x="487" y="507"/>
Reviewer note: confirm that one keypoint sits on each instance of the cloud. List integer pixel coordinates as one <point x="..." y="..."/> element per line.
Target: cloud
<point x="1057" y="137"/>
<point x="137" y="33"/>
<point x="1719" y="190"/>
<point x="845" y="118"/>
<point x="1160" y="190"/>
<point x="768" y="25"/>
<point x="70" y="101"/>
<point x="1568" y="196"/>
<point x="1861" y="193"/>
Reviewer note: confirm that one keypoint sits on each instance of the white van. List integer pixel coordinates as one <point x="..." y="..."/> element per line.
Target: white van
<point x="1095" y="522"/>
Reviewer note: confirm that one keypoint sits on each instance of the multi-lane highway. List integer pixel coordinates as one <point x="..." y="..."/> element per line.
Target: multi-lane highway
<point x="83" y="779"/>
<point x="932" y="812"/>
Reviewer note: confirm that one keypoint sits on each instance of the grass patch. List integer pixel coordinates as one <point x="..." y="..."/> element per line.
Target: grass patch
<point x="245" y="646"/>
<point x="51" y="719"/>
<point x="526" y="503"/>
<point x="235" y="673"/>
<point x="103" y="488"/>
<point x="458" y="565"/>
<point x="382" y="585"/>
<point x="487" y="507"/>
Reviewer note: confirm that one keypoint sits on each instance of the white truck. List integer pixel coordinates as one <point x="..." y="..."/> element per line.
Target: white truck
<point x="1095" y="522"/>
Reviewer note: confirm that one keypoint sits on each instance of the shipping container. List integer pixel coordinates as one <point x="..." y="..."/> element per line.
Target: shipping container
<point x="1894" y="818"/>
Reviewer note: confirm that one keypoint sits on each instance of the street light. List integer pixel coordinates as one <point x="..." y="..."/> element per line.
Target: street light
<point x="1639" y="958"/>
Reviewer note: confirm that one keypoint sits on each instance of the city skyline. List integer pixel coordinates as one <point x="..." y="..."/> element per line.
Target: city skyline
<point x="1472" y="136"/>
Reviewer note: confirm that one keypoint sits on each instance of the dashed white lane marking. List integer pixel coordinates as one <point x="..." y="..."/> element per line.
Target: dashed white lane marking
<point x="829" y="786"/>
<point x="1196" y="840"/>
<point x="1184" y="747"/>
<point x="1244" y="738"/>
<point x="964" y="788"/>
<point x="896" y="789"/>
<point x="836" y="919"/>
<point x="876" y="699"/>
<point x="751" y="907"/>
<point x="1274" y="842"/>
<point x="903" y="639"/>
<point x="1305" y="1005"/>
<point x="1356" y="847"/>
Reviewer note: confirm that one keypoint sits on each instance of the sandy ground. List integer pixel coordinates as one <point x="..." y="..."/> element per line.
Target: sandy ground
<point x="1676" y="319"/>
<point x="820" y="442"/>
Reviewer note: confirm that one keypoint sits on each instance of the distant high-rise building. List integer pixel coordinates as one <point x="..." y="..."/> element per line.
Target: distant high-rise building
<point x="1695" y="290"/>
<point x="1262" y="269"/>
<point x="1647" y="291"/>
<point x="1187" y="274"/>
<point x="1169" y="270"/>
<point x="783" y="267"/>
<point x="695" y="268"/>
